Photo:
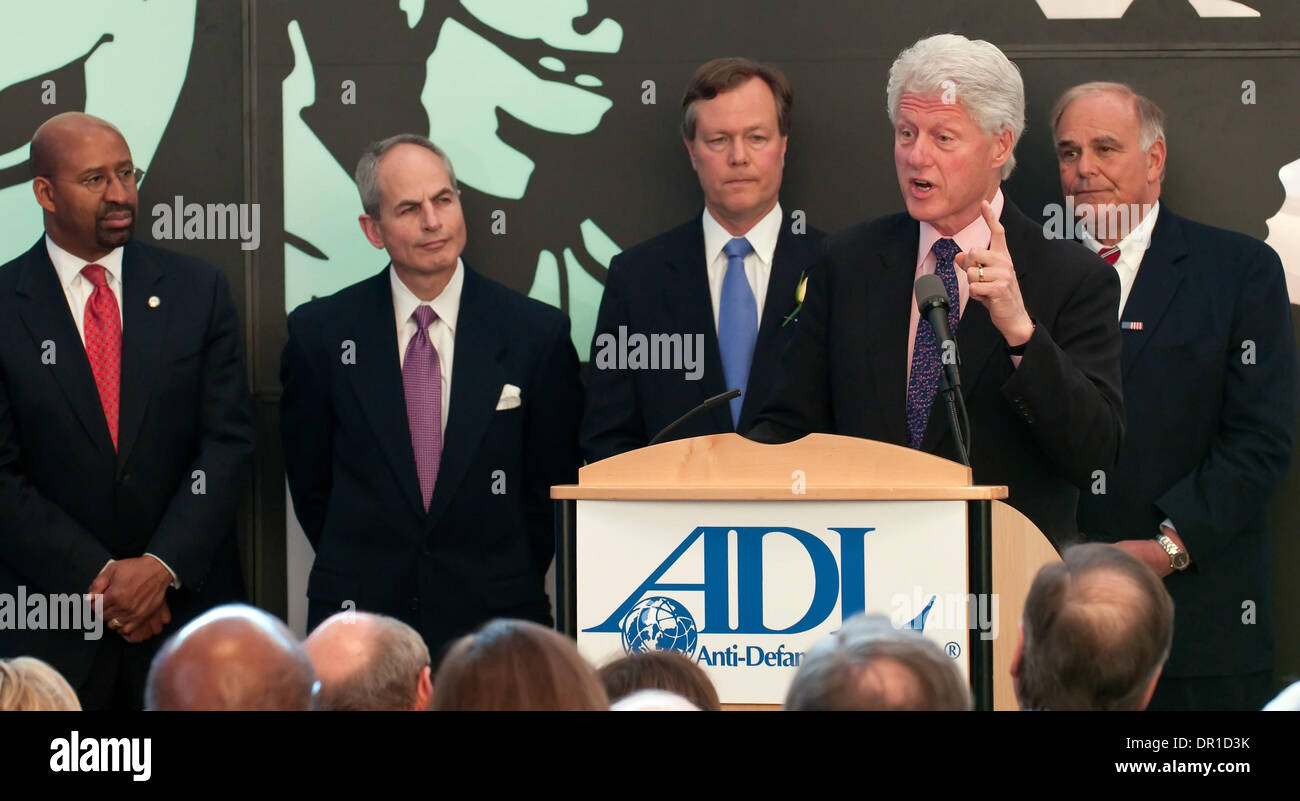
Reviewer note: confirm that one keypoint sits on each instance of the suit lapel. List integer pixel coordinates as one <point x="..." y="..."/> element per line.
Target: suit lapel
<point x="686" y="294"/>
<point x="776" y="306"/>
<point x="377" y="381"/>
<point x="143" y="330"/>
<point x="890" y="307"/>
<point x="1157" y="280"/>
<point x="478" y="374"/>
<point x="49" y="320"/>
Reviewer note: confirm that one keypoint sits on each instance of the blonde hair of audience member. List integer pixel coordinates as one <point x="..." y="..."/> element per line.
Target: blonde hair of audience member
<point x="516" y="665"/>
<point x="28" y="685"/>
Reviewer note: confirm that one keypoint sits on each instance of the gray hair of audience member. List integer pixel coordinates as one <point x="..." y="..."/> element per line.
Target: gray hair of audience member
<point x="367" y="173"/>
<point x="1151" y="118"/>
<point x="27" y="685"/>
<point x="384" y="661"/>
<point x="980" y="78"/>
<point x="653" y="701"/>
<point x="871" y="665"/>
<point x="232" y="657"/>
<point x="1097" y="629"/>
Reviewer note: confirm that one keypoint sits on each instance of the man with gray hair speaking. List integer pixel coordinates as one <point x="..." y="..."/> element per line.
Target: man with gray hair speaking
<point x="1039" y="346"/>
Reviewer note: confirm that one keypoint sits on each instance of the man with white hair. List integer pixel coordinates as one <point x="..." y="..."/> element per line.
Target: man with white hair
<point x="369" y="662"/>
<point x="1039" y="346"/>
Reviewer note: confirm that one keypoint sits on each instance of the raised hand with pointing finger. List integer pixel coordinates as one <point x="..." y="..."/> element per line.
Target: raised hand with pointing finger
<point x="992" y="277"/>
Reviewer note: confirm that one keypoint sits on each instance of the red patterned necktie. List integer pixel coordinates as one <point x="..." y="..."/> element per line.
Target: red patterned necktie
<point x="1110" y="254"/>
<point x="103" y="334"/>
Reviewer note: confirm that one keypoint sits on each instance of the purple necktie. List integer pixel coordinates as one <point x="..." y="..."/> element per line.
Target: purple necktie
<point x="924" y="380"/>
<point x="422" y="380"/>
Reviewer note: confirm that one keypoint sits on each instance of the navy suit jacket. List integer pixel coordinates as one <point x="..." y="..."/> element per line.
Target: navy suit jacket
<point x="1042" y="428"/>
<point x="661" y="286"/>
<point x="483" y="548"/>
<point x="68" y="502"/>
<point x="1210" y="389"/>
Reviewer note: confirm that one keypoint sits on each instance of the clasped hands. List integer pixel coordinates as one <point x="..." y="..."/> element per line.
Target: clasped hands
<point x="135" y="596"/>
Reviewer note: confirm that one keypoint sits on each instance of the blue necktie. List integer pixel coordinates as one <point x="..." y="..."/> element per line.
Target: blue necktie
<point x="737" y="322"/>
<point x="924" y="380"/>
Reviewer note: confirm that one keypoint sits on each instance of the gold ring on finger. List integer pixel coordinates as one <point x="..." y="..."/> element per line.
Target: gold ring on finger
<point x="981" y="273"/>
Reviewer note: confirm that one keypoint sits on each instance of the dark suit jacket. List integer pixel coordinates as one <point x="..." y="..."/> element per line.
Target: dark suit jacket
<point x="1210" y="390"/>
<point x="482" y="549"/>
<point x="68" y="503"/>
<point x="661" y="286"/>
<point x="1041" y="428"/>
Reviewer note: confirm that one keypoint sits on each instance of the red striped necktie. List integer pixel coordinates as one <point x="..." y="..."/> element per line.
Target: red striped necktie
<point x="102" y="325"/>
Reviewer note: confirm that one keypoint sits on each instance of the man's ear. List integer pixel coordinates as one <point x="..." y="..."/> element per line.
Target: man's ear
<point x="370" y="227"/>
<point x="1005" y="143"/>
<point x="43" y="188"/>
<point x="1156" y="156"/>
<point x="1151" y="688"/>
<point x="1020" y="651"/>
<point x="690" y="151"/>
<point x="424" y="690"/>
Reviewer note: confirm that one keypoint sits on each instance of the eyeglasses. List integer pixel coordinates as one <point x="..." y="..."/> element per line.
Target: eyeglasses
<point x="98" y="183"/>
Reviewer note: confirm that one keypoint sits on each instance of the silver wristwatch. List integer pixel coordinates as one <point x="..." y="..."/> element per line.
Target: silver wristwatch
<point x="1178" y="558"/>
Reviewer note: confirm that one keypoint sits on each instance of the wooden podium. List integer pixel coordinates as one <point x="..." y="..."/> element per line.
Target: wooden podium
<point x="755" y="531"/>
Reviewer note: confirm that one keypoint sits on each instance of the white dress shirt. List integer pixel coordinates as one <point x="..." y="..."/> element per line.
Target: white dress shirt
<point x="758" y="263"/>
<point x="1131" y="250"/>
<point x="442" y="331"/>
<point x="77" y="288"/>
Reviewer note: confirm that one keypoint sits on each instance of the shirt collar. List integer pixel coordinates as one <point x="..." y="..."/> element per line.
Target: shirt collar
<point x="69" y="266"/>
<point x="974" y="235"/>
<point x="446" y="305"/>
<point x="1135" y="244"/>
<point x="762" y="236"/>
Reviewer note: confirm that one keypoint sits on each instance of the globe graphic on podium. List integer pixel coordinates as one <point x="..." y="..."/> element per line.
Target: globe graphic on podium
<point x="659" y="624"/>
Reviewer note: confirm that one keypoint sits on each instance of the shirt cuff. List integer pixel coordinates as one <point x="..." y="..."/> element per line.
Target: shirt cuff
<point x="176" y="583"/>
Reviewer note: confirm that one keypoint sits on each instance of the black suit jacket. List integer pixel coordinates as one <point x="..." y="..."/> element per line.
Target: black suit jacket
<point x="1210" y="390"/>
<point x="1041" y="428"/>
<point x="482" y="549"/>
<point x="68" y="503"/>
<point x="661" y="286"/>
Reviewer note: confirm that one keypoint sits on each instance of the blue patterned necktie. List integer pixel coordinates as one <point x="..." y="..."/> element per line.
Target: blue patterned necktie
<point x="924" y="380"/>
<point x="737" y="322"/>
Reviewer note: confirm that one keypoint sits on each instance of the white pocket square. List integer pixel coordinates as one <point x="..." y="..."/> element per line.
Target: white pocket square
<point x="510" y="398"/>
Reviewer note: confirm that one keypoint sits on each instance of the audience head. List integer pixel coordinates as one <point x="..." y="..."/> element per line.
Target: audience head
<point x="653" y="701"/>
<point x="516" y="665"/>
<point x="369" y="662"/>
<point x="233" y="657"/>
<point x="659" y="670"/>
<point x="1095" y="633"/>
<point x="27" y="685"/>
<point x="870" y="665"/>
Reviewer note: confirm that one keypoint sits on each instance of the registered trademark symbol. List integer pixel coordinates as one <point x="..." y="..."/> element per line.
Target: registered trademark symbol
<point x="953" y="649"/>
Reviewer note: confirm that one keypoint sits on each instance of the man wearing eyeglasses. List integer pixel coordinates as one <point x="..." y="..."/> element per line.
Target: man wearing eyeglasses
<point x="125" y="426"/>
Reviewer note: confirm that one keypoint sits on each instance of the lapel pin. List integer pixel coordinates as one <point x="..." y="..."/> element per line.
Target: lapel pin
<point x="154" y="301"/>
<point x="1127" y="326"/>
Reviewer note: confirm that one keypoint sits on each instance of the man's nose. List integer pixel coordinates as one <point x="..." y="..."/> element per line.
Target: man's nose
<point x="1086" y="164"/>
<point x="918" y="155"/>
<point x="429" y="216"/>
<point x="117" y="190"/>
<point x="738" y="153"/>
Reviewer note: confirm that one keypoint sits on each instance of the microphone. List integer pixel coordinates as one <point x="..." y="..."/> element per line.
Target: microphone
<point x="932" y="302"/>
<point x="703" y="407"/>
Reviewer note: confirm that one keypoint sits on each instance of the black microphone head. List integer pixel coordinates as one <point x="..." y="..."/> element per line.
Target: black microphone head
<point x="930" y="292"/>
